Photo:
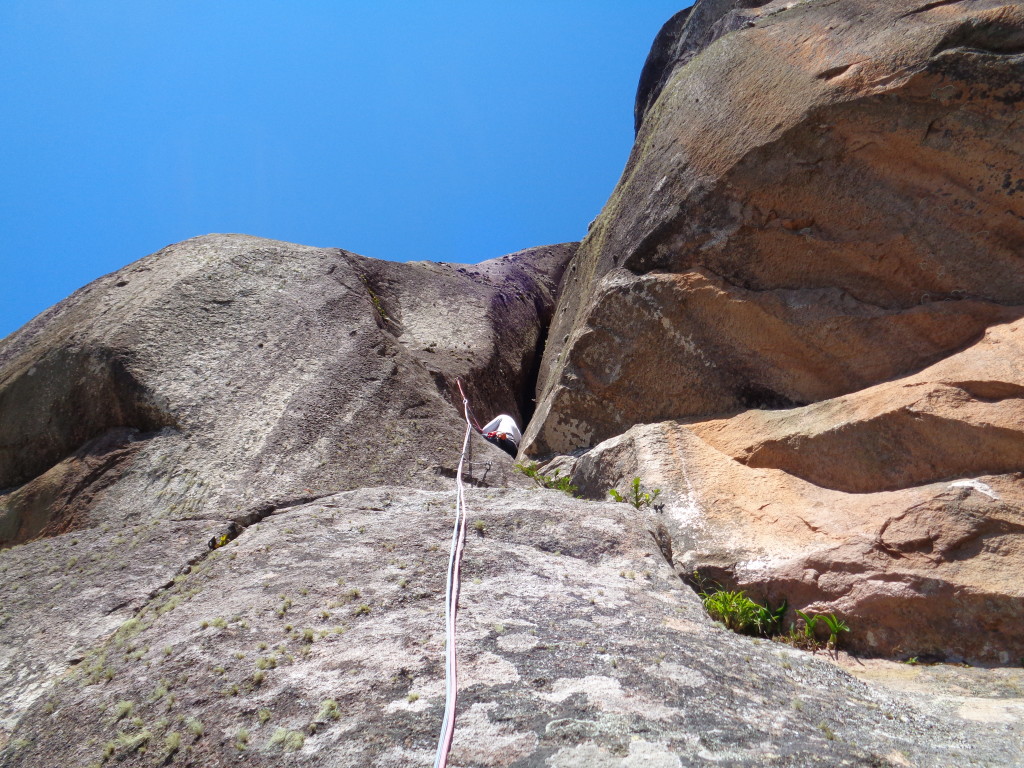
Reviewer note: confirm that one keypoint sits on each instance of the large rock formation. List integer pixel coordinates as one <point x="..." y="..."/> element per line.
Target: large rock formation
<point x="823" y="199"/>
<point x="314" y="639"/>
<point x="225" y="470"/>
<point x="853" y="506"/>
<point x="229" y="375"/>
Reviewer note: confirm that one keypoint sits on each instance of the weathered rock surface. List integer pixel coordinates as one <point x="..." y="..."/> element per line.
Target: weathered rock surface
<point x="822" y="211"/>
<point x="61" y="595"/>
<point x="900" y="507"/>
<point x="684" y="36"/>
<point x="974" y="693"/>
<point x="821" y="200"/>
<point x="580" y="647"/>
<point x="485" y="323"/>
<point x="233" y="373"/>
<point x="961" y="417"/>
<point x="822" y="214"/>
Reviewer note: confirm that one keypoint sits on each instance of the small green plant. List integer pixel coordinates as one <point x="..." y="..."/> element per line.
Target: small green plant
<point x="556" y="482"/>
<point x="835" y="626"/>
<point x="328" y="710"/>
<point x="478" y="526"/>
<point x="741" y="614"/>
<point x="635" y="495"/>
<point x="806" y="637"/>
<point x="263" y="716"/>
<point x="289" y="741"/>
<point x="194" y="726"/>
<point x="810" y="624"/>
<point x="768" y="620"/>
<point x="803" y="637"/>
<point x="123" y="709"/>
<point x="160" y="691"/>
<point x="412" y="697"/>
<point x="242" y="739"/>
<point x="734" y="609"/>
<point x="172" y="743"/>
<point x="362" y="610"/>
<point x="132" y="742"/>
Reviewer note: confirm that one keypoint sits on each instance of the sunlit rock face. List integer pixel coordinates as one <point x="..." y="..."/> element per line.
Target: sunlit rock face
<point x="227" y="470"/>
<point x="313" y="639"/>
<point x="824" y="198"/>
<point x="900" y="507"/>
<point x="230" y="374"/>
<point x="799" y="315"/>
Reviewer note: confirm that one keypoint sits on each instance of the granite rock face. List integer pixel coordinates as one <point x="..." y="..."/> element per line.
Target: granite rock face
<point x="684" y="36"/>
<point x="314" y="639"/>
<point x="799" y="314"/>
<point x="823" y="199"/>
<point x="226" y="470"/>
<point x="234" y="373"/>
<point x="899" y="507"/>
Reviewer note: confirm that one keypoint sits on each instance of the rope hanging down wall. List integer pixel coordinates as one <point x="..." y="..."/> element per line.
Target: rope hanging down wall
<point x="451" y="605"/>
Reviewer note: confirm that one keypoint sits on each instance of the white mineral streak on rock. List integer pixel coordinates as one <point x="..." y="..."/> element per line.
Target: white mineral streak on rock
<point x="642" y="754"/>
<point x="992" y="710"/>
<point x="404" y="705"/>
<point x="976" y="485"/>
<point x="606" y="694"/>
<point x="683" y="675"/>
<point x="397" y="757"/>
<point x="583" y="756"/>
<point x="481" y="742"/>
<point x="518" y="643"/>
<point x="486" y="669"/>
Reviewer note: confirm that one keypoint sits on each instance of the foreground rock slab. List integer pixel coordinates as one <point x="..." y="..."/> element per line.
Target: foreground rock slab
<point x="314" y="638"/>
<point x="62" y="596"/>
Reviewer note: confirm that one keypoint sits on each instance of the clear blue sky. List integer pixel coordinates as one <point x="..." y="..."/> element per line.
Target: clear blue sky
<point x="449" y="131"/>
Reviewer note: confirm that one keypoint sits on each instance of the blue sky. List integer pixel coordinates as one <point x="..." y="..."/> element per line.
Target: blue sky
<point x="455" y="131"/>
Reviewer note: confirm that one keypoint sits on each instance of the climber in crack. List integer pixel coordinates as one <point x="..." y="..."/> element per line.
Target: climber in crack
<point x="503" y="432"/>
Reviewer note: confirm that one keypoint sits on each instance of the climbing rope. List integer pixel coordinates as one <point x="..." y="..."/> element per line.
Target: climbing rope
<point x="451" y="604"/>
<point x="469" y="411"/>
